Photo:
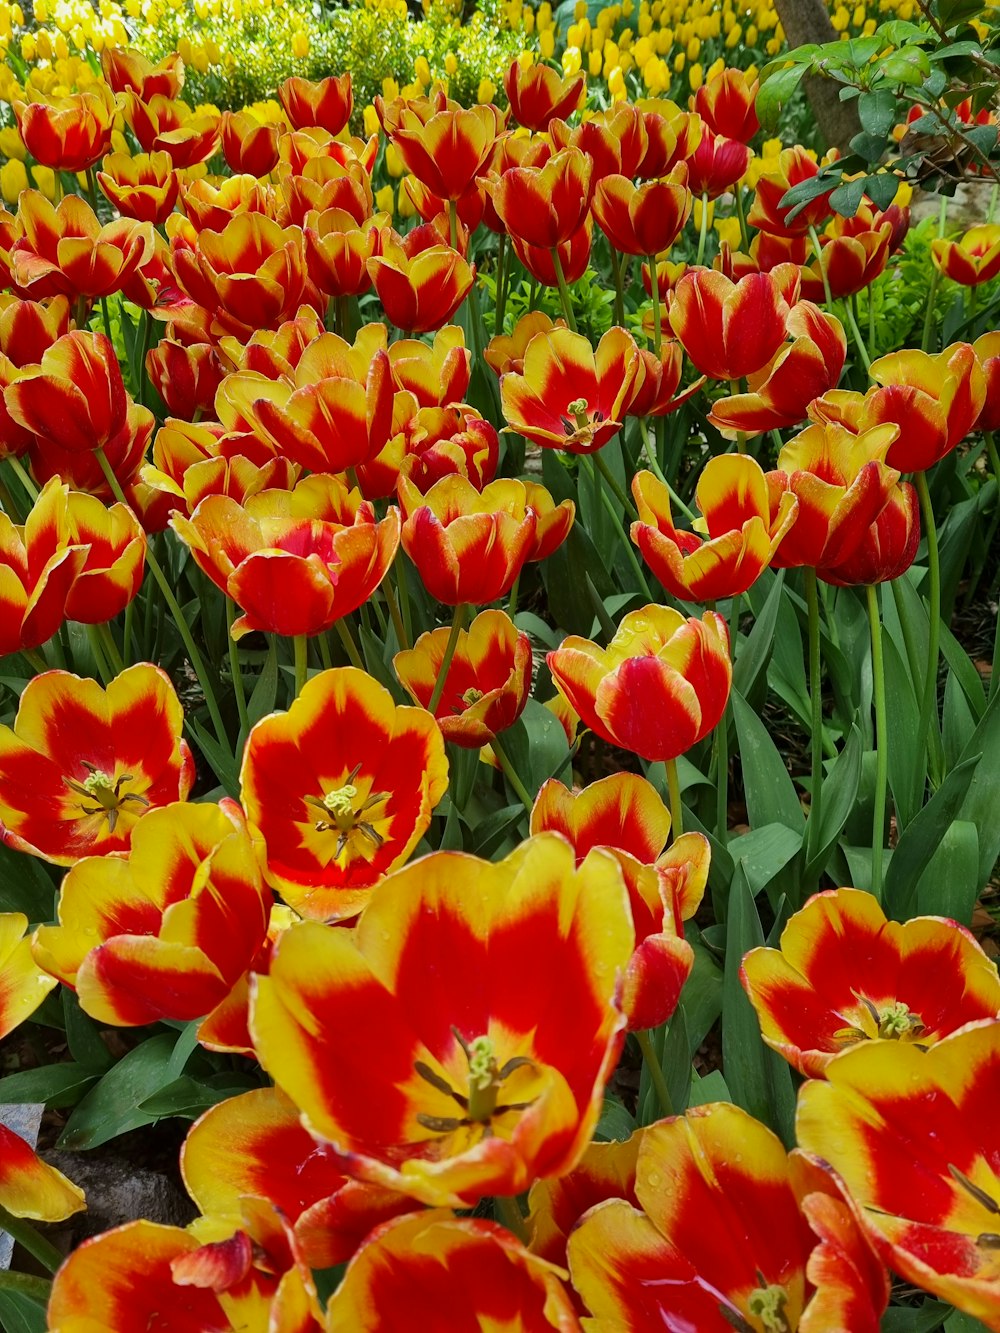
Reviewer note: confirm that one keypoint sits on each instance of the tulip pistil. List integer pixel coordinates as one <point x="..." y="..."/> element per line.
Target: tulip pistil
<point x="486" y="1078"/>
<point x="580" y="422"/>
<point x="106" y="793"/>
<point x="893" y="1022"/>
<point x="471" y="696"/>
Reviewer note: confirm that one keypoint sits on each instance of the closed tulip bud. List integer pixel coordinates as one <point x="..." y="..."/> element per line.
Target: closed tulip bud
<point x="889" y="547"/>
<point x="29" y="328"/>
<point x="726" y="104"/>
<point x="538" y="95"/>
<point x="185" y="377"/>
<point x="660" y="686"/>
<point x="70" y="133"/>
<point x="338" y="249"/>
<point x="249" y="147"/>
<point x="971" y="260"/>
<point x="544" y="205"/>
<point x="326" y="104"/>
<point x="729" y="329"/>
<point x="444" y="145"/>
<point x="643" y="219"/>
<point x="144" y="186"/>
<point x="420" y="281"/>
<point x="716" y="165"/>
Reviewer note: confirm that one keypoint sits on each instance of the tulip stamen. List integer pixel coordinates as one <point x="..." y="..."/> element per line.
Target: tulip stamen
<point x="346" y="817"/>
<point x="107" y="795"/>
<point x="485" y="1080"/>
<point x="980" y="1195"/>
<point x="894" y="1022"/>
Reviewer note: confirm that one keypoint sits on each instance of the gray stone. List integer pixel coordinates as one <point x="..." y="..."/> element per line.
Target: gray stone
<point x="25" y="1122"/>
<point x="119" y="1192"/>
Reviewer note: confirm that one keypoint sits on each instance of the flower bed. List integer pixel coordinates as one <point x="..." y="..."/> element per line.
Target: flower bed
<point x="490" y="738"/>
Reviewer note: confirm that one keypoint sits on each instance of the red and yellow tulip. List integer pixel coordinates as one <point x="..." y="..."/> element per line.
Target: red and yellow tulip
<point x="38" y="567"/>
<point x="741" y="530"/>
<point x="31" y="1188"/>
<point x="23" y="984"/>
<point x="544" y="205"/>
<point x="81" y="765"/>
<point x="327" y="103"/>
<point x="341" y="789"/>
<point x="144" y="187"/>
<point x="483" y="1083"/>
<point x="64" y="249"/>
<point x="419" y="279"/>
<point x="843" y="974"/>
<point x="446" y="146"/>
<point x="643" y="219"/>
<point x="729" y="329"/>
<point x="661" y="684"/>
<point x="488" y="680"/>
<point x="934" y="400"/>
<point x="68" y="133"/>
<point x="537" y="94"/>
<point x="973" y="259"/>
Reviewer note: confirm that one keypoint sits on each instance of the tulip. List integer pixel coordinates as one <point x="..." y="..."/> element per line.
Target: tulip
<point x="779" y="394"/>
<point x="971" y="260"/>
<point x="326" y="183"/>
<point x="616" y="140"/>
<point x="726" y="104"/>
<point x="574" y="257"/>
<point x="144" y="187"/>
<point x="658" y="688"/>
<point x="341" y="789"/>
<point x="506" y="353"/>
<point x="469" y="206"/>
<point x="295" y="561"/>
<point x="69" y="133"/>
<point x="906" y="1132"/>
<point x="252" y="271"/>
<point x="511" y="151"/>
<point x="411" y="1269"/>
<point x="444" y="145"/>
<point x="889" y="547"/>
<point x="657" y="381"/>
<point x="111" y="574"/>
<point x="487" y="683"/>
<point x="420" y="281"/>
<point x="849" y="263"/>
<point x="672" y="136"/>
<point x="302" y="146"/>
<point x="767" y="213"/>
<point x="934" y="400"/>
<point x="843" y="975"/>
<point x="210" y="205"/>
<point x="440" y="441"/>
<point x="29" y="328"/>
<point x="436" y="373"/>
<point x="65" y="250"/>
<point x="729" y="1231"/>
<point x="481" y="1087"/>
<point x="842" y="482"/>
<point x="326" y="104"/>
<point x="605" y="1171"/>
<point x="162" y="125"/>
<point x="337" y="410"/>
<point x="81" y="765"/>
<point x="128" y="71"/>
<point x="166" y="931"/>
<point x="338" y="250"/>
<point x="75" y="397"/>
<point x="643" y="219"/>
<point x="23" y="984"/>
<point x="468" y="546"/>
<point x="275" y="352"/>
<point x="54" y="456"/>
<point x="39" y="565"/>
<point x="716" y="165"/>
<point x="729" y="329"/>
<point x="544" y="205"/>
<point x="185" y="377"/>
<point x="248" y="145"/>
<point x="537" y="94"/>
<point x="742" y="532"/>
<point x="569" y="395"/>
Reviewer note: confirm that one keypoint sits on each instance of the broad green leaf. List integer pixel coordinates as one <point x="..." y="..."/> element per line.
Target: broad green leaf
<point x="25" y="886"/>
<point x="982" y="800"/>
<point x="950" y="883"/>
<point x="755" y="653"/>
<point x="57" y="1085"/>
<point x="83" y="1037"/>
<point x="758" y="1078"/>
<point x="770" y="792"/>
<point x="20" y="1314"/>
<point x="925" y="1318"/>
<point x="957" y="721"/>
<point x="764" y="852"/>
<point x="701" y="998"/>
<point x="907" y="750"/>
<point x="922" y="836"/>
<point x="112" y="1106"/>
<point x="616" y="1123"/>
<point x="711" y="1088"/>
<point x="840" y="792"/>
<point x="189" y="1097"/>
<point x="878" y="113"/>
<point x="776" y="92"/>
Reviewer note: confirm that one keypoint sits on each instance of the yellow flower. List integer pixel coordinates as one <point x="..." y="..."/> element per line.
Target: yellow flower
<point x="45" y="181"/>
<point x="728" y="230"/>
<point x="385" y="199"/>
<point x="300" y="45"/>
<point x="696" y="213"/>
<point x="693" y="49"/>
<point x="616" y="84"/>
<point x="571" y="60"/>
<point x="11" y="144"/>
<point x="594" y="63"/>
<point x="390" y="89"/>
<point x="487" y="91"/>
<point x="679" y="61"/>
<point x="751" y="35"/>
<point x="370" y="120"/>
<point x="450" y="66"/>
<point x="393" y="162"/>
<point x="13" y="179"/>
<point x="422" y="70"/>
<point x="405" y="203"/>
<point x="696" y="77"/>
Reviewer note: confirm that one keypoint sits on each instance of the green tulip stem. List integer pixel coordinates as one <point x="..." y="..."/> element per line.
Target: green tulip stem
<point x="930" y="726"/>
<point x="510" y="773"/>
<point x="457" y="625"/>
<point x="236" y="671"/>
<point x="174" y="607"/>
<point x="300" y="645"/>
<point x="654" y="291"/>
<point x="881" y="741"/>
<point x="674" y="790"/>
<point x="616" y="272"/>
<point x="816" y="700"/>
<point x="563" y="289"/>
<point x="655" y="1072"/>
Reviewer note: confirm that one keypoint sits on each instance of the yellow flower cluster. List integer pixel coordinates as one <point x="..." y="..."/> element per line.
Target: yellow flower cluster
<point x="668" y="48"/>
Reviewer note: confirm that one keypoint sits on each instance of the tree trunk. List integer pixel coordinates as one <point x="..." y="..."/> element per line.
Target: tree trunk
<point x="809" y="21"/>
